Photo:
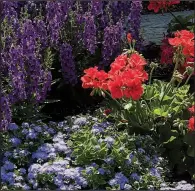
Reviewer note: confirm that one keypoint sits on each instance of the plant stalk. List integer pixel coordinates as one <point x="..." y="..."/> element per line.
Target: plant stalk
<point x="150" y="79"/>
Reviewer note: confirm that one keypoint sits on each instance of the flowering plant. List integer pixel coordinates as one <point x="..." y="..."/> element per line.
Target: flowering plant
<point x="147" y="107"/>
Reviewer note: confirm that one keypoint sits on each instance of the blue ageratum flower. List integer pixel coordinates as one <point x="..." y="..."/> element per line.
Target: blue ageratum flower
<point x="119" y="179"/>
<point x="109" y="160"/>
<point x="9" y="166"/>
<point x="109" y="141"/>
<point x="135" y="176"/>
<point x="22" y="171"/>
<point x="155" y="172"/>
<point x="38" y="129"/>
<point x="15" y="141"/>
<point x="80" y="121"/>
<point x="97" y="129"/>
<point x="12" y="127"/>
<point x="140" y="150"/>
<point x="101" y="171"/>
<point x="31" y="134"/>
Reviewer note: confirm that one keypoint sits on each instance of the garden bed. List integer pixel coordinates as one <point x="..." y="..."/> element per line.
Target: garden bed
<point x="60" y="157"/>
<point x="96" y="97"/>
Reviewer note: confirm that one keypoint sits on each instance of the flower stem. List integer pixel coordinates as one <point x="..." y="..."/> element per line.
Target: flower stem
<point x="112" y="98"/>
<point x="150" y="80"/>
<point x="188" y="79"/>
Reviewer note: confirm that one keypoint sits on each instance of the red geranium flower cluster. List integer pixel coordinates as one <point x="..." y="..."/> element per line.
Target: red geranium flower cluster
<point x="185" y="39"/>
<point x="124" y="79"/>
<point x="94" y="78"/>
<point x="166" y="52"/>
<point x="191" y="125"/>
<point x="161" y="4"/>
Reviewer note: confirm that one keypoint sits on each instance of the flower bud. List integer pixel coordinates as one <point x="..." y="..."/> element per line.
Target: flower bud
<point x="178" y="76"/>
<point x="181" y="125"/>
<point x="153" y="65"/>
<point x="129" y="37"/>
<point x="175" y="124"/>
<point x="189" y="70"/>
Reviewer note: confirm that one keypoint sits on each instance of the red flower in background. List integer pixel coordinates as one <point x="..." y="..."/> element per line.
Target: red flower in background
<point x="166" y="52"/>
<point x="107" y="111"/>
<point x="191" y="109"/>
<point x="161" y="4"/>
<point x="191" y="124"/>
<point x="185" y="39"/>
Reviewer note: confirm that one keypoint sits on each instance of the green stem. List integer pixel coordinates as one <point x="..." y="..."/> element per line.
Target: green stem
<point x="150" y="80"/>
<point x="175" y="68"/>
<point x="188" y="79"/>
<point x="167" y="89"/>
<point x="112" y="98"/>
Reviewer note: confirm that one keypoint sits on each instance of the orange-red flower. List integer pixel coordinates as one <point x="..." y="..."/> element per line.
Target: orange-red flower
<point x="185" y="39"/>
<point x="123" y="80"/>
<point x="128" y="84"/>
<point x="191" y="124"/>
<point x="136" y="61"/>
<point x="94" y="78"/>
<point x="161" y="4"/>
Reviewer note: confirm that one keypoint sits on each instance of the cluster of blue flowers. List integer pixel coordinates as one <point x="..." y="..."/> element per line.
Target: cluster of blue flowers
<point x="41" y="156"/>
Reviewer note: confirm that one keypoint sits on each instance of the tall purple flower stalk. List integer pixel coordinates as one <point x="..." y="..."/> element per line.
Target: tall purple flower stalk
<point x="54" y="21"/>
<point x="68" y="64"/>
<point x="57" y="13"/>
<point x="96" y="7"/>
<point x="134" y="19"/>
<point x="5" y="112"/>
<point x="32" y="62"/>
<point x="17" y="74"/>
<point x="111" y="46"/>
<point x="9" y="9"/>
<point x="89" y="34"/>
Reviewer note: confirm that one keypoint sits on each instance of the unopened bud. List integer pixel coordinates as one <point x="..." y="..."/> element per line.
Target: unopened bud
<point x="181" y="125"/>
<point x="178" y="76"/>
<point x="189" y="70"/>
<point x="153" y="65"/>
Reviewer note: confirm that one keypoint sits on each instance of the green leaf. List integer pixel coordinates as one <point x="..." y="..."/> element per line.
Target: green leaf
<point x="189" y="138"/>
<point x="172" y="138"/>
<point x="167" y="98"/>
<point x="160" y="112"/>
<point x="191" y="151"/>
<point x="128" y="106"/>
